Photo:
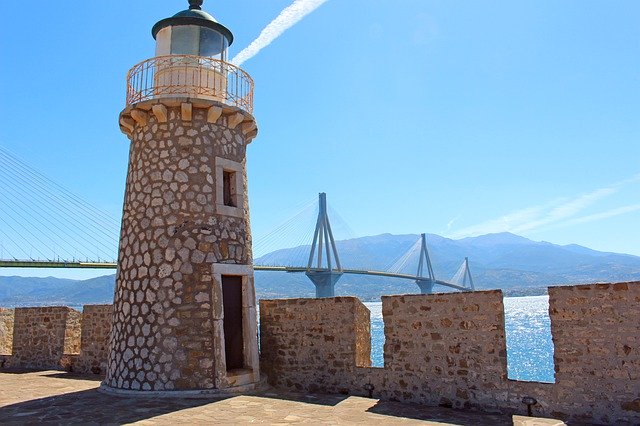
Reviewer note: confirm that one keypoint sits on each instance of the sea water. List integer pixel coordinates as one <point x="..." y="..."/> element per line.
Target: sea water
<point x="528" y="331"/>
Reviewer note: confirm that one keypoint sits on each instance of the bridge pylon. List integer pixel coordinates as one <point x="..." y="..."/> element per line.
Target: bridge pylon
<point x="466" y="278"/>
<point x="425" y="282"/>
<point x="322" y="274"/>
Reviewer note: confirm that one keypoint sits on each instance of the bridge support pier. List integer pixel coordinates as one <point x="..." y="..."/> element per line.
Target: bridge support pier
<point x="325" y="282"/>
<point x="426" y="286"/>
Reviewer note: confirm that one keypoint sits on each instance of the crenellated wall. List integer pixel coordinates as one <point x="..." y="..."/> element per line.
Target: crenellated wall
<point x="41" y="336"/>
<point x="441" y="349"/>
<point x="596" y="335"/>
<point x="333" y="333"/>
<point x="6" y="331"/>
<point x="445" y="349"/>
<point x="56" y="337"/>
<point x="450" y="350"/>
<point x="96" y="326"/>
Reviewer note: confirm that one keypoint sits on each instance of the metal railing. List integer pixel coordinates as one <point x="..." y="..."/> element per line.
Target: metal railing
<point x="192" y="76"/>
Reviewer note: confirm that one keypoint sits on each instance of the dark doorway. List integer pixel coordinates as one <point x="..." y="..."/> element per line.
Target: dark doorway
<point x="232" y="305"/>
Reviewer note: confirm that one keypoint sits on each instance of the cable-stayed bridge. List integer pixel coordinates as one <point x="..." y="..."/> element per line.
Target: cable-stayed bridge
<point x="43" y="225"/>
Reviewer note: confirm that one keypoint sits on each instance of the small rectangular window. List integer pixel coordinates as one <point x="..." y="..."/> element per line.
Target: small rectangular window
<point x="228" y="188"/>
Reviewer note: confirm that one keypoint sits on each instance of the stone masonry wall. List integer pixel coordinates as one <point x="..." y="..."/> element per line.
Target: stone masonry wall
<point x="41" y="336"/>
<point x="174" y="230"/>
<point x="450" y="350"/>
<point x="56" y="337"/>
<point x="6" y="331"/>
<point x="596" y="335"/>
<point x="96" y="326"/>
<point x="442" y="349"/>
<point x="314" y="344"/>
<point x="445" y="349"/>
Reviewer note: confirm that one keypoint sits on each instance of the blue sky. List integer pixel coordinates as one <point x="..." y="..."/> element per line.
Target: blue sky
<point x="449" y="117"/>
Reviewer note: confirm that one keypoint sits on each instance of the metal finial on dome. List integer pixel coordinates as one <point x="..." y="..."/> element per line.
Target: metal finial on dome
<point x="195" y="4"/>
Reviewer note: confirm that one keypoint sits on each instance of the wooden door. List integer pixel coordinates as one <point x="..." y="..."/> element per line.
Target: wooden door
<point x="232" y="305"/>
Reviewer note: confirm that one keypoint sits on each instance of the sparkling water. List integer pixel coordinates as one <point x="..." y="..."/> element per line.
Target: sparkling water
<point x="529" y="346"/>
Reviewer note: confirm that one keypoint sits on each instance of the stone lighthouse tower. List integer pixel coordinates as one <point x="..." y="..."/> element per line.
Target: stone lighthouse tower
<point x="184" y="311"/>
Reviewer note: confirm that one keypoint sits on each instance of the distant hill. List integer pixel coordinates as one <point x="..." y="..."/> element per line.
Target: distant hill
<point x="503" y="260"/>
<point x="26" y="291"/>
<point x="515" y="264"/>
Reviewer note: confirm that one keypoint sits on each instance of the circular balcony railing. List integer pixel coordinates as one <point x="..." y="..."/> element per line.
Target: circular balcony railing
<point x="190" y="76"/>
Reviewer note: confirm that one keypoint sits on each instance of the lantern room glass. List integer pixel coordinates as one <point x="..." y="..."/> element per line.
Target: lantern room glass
<point x="191" y="40"/>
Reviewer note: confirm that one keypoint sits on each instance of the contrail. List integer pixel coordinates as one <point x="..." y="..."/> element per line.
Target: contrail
<point x="553" y="214"/>
<point x="289" y="16"/>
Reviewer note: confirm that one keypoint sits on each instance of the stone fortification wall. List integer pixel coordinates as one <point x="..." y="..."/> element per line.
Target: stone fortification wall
<point x="596" y="335"/>
<point x="445" y="349"/>
<point x="6" y="331"/>
<point x="56" y="337"/>
<point x="41" y="336"/>
<point x="442" y="349"/>
<point x="314" y="344"/>
<point x="96" y="326"/>
<point x="450" y="350"/>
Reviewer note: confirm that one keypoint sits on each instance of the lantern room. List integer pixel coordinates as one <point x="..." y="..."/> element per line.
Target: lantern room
<point x="192" y="32"/>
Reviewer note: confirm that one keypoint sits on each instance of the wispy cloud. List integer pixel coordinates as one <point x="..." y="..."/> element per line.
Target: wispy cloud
<point x="558" y="213"/>
<point x="289" y="16"/>
<point x="599" y="216"/>
<point x="451" y="222"/>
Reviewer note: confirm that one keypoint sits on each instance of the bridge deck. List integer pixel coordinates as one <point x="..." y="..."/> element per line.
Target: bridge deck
<point x="290" y="269"/>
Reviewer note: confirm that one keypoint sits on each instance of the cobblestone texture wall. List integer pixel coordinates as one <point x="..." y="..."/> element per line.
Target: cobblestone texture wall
<point x="314" y="344"/>
<point x="96" y="326"/>
<point x="6" y="331"/>
<point x="596" y="334"/>
<point x="449" y="349"/>
<point x="41" y="336"/>
<point x="445" y="349"/>
<point x="165" y="333"/>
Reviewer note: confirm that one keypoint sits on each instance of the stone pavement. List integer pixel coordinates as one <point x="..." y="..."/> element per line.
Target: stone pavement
<point x="28" y="397"/>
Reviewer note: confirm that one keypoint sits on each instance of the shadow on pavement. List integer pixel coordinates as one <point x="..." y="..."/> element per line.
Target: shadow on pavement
<point x="316" y="399"/>
<point x="76" y="376"/>
<point x="91" y="406"/>
<point x="439" y="414"/>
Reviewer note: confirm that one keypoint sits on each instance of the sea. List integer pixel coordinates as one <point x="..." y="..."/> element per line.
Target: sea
<point x="528" y="333"/>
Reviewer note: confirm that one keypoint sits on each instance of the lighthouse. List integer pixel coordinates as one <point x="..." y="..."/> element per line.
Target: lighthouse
<point x="184" y="318"/>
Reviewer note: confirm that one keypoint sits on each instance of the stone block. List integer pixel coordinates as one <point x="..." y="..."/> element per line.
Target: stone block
<point x="314" y="344"/>
<point x="43" y="335"/>
<point x="96" y="326"/>
<point x="160" y="111"/>
<point x="6" y="331"/>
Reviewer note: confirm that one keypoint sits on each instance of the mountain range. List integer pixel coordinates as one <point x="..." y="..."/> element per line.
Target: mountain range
<point x="513" y="263"/>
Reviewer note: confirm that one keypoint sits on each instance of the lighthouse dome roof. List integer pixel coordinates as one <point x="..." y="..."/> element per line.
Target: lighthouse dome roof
<point x="193" y="16"/>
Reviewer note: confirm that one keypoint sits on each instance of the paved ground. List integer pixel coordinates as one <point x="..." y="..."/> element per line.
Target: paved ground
<point x="58" y="397"/>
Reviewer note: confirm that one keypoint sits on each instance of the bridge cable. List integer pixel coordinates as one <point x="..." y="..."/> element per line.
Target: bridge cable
<point x="42" y="181"/>
<point x="17" y="233"/>
<point x="44" y="192"/>
<point x="66" y="192"/>
<point x="57" y="203"/>
<point x="402" y="261"/>
<point x="55" y="206"/>
<point x="268" y="243"/>
<point x="51" y="223"/>
<point x="53" y="226"/>
<point x="12" y="255"/>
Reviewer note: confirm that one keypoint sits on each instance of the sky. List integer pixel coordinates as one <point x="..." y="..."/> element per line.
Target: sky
<point x="448" y="117"/>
